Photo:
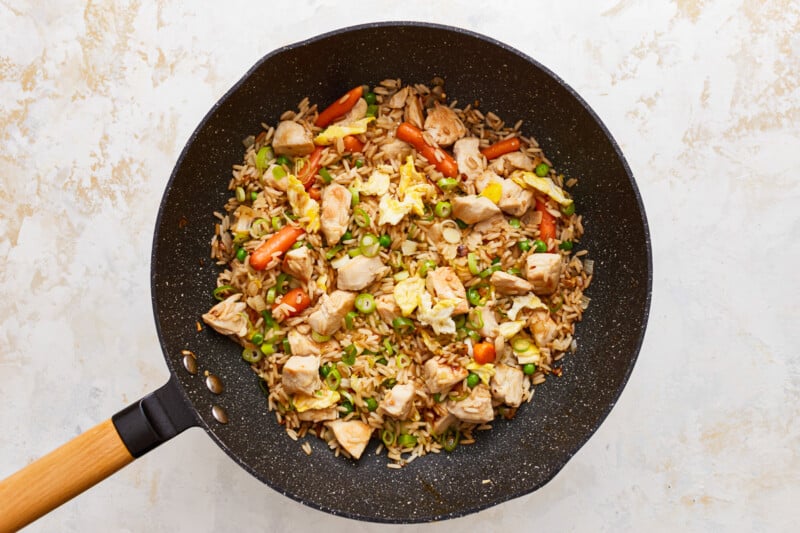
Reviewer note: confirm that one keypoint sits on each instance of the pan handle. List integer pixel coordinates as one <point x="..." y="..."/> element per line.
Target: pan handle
<point x="92" y="456"/>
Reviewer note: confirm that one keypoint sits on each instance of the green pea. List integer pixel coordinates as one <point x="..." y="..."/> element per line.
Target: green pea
<point x="283" y="160"/>
<point x="566" y="246"/>
<point x="514" y="223"/>
<point x="253" y="196"/>
<point x="371" y="98"/>
<point x="539" y="246"/>
<point x="473" y="380"/>
<point x="524" y="245"/>
<point x="529" y="369"/>
<point x="257" y="338"/>
<point x="359" y="163"/>
<point x="385" y="241"/>
<point x="241" y="254"/>
<point x="542" y="169"/>
<point x="372" y="404"/>
<point x="372" y="110"/>
<point x="346" y="408"/>
<point x="569" y="209"/>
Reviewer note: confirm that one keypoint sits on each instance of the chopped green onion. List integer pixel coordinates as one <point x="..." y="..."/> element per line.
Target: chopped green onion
<point x="269" y="322"/>
<point x="473" y="296"/>
<point x="539" y="246"/>
<point x="257" y="338"/>
<point x="557" y="302"/>
<point x="381" y="361"/>
<point x="447" y="184"/>
<point x="264" y="154"/>
<point x="298" y="244"/>
<point x="477" y="322"/>
<point x="283" y="160"/>
<point x="486" y="272"/>
<point x="472" y="263"/>
<point x="219" y="291"/>
<point x="403" y="325"/>
<point x="473" y="380"/>
<point x="402" y="360"/>
<point x="388" y="346"/>
<point x="514" y="271"/>
<point x="407" y="441"/>
<point x="389" y="383"/>
<point x="330" y="253"/>
<point x="347" y="236"/>
<point x="264" y="388"/>
<point x="372" y="110"/>
<point x="325" y="369"/>
<point x="426" y="266"/>
<point x="450" y="439"/>
<point x="387" y="436"/>
<point x="350" y="353"/>
<point x="282" y="282"/>
<point x="346" y="408"/>
<point x="461" y="224"/>
<point x="259" y="227"/>
<point x="240" y="194"/>
<point x="437" y="398"/>
<point x="359" y="163"/>
<point x="252" y="355"/>
<point x="267" y="348"/>
<point x="348" y="319"/>
<point x="272" y="293"/>
<point x="443" y="209"/>
<point x="514" y="223"/>
<point x="287" y="347"/>
<point x="365" y="303"/>
<point x="569" y="209"/>
<point x="385" y="241"/>
<point x="566" y="246"/>
<point x="241" y="254"/>
<point x="372" y="404"/>
<point x="319" y="337"/>
<point x="354" y="197"/>
<point x="474" y="335"/>
<point x="371" y="98"/>
<point x="333" y="379"/>
<point x="496" y="261"/>
<point x="524" y="245"/>
<point x="354" y="252"/>
<point x="277" y="224"/>
<point x="326" y="176"/>
<point x="278" y="172"/>
<point x="529" y="369"/>
<point x="520" y="344"/>
<point x="369" y="245"/>
<point x="361" y="218"/>
<point x="460" y="320"/>
<point x="542" y="169"/>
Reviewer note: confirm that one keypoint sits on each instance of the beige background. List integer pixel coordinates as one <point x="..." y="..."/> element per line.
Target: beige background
<point x="97" y="100"/>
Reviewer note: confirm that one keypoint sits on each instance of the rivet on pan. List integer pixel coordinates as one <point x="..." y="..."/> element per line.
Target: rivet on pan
<point x="214" y="384"/>
<point x="190" y="363"/>
<point x="220" y="414"/>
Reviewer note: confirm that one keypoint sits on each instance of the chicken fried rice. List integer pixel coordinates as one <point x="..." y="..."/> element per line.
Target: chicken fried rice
<point x="398" y="268"/>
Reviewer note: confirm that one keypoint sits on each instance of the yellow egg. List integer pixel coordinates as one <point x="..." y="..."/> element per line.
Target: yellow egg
<point x="321" y="399"/>
<point x="493" y="192"/>
<point x="407" y="294"/>
<point x="338" y="131"/>
<point x="529" y="180"/>
<point x="485" y="372"/>
<point x="302" y="204"/>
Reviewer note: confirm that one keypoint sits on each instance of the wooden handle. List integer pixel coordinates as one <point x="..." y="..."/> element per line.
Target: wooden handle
<point x="61" y="475"/>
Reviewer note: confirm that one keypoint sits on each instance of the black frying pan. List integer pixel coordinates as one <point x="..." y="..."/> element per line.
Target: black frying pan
<point x="518" y="456"/>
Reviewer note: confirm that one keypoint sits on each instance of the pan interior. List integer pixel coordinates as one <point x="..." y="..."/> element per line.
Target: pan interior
<point x="516" y="457"/>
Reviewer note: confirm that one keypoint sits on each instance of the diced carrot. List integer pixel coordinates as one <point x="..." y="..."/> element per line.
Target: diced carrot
<point x="277" y="244"/>
<point x="352" y="144"/>
<point x="483" y="353"/>
<point x="297" y="298"/>
<point x="499" y="148"/>
<point x="443" y="161"/>
<point x="547" y="227"/>
<point x="315" y="193"/>
<point x="307" y="173"/>
<point x="339" y="107"/>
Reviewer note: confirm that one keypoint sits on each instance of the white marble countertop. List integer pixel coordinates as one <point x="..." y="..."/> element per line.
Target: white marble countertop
<point x="97" y="101"/>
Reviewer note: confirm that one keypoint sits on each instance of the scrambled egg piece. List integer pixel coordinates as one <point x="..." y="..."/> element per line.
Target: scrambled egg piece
<point x="485" y="372"/>
<point x="509" y="329"/>
<point x="438" y="316"/>
<point x="529" y="355"/>
<point x="493" y="192"/>
<point x="377" y="184"/>
<point x="321" y="399"/>
<point x="407" y="294"/>
<point x="302" y="204"/>
<point x="413" y="189"/>
<point x="531" y="301"/>
<point x="337" y="131"/>
<point x="546" y="186"/>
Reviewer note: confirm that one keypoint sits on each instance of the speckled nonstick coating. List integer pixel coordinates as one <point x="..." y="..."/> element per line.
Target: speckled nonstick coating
<point x="517" y="456"/>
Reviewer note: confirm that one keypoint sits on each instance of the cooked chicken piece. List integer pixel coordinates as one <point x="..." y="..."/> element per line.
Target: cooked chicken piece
<point x="301" y="374"/>
<point x="495" y="223"/>
<point x="445" y="285"/>
<point x="475" y="409"/>
<point x="298" y="263"/>
<point x="353" y="435"/>
<point x="387" y="308"/>
<point x="440" y="377"/>
<point x="280" y="184"/>
<point x="485" y="178"/>
<point x="301" y="344"/>
<point x="444" y="125"/>
<point x="543" y="271"/>
<point x="358" y="112"/>
<point x="413" y="112"/>
<point x="398" y="401"/>
<point x="489" y="328"/>
<point x="508" y="385"/>
<point x="333" y="307"/>
<point x="508" y="284"/>
<point x="514" y="200"/>
<point x="543" y="328"/>
<point x="292" y="139"/>
<point x="228" y="317"/>
<point x="335" y="214"/>
<point x="396" y="150"/>
<point x="319" y="415"/>
<point x="472" y="209"/>
<point x="359" y="272"/>
<point x="398" y="99"/>
<point x="442" y="424"/>
<point x="468" y="157"/>
<point x="507" y="163"/>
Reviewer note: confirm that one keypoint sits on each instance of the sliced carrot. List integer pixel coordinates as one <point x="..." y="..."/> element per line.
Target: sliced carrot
<point x="352" y="144"/>
<point x="443" y="161"/>
<point x="307" y="173"/>
<point x="297" y="298"/>
<point x="499" y="148"/>
<point x="547" y="227"/>
<point x="483" y="353"/>
<point x="277" y="244"/>
<point x="339" y="107"/>
<point x="315" y="193"/>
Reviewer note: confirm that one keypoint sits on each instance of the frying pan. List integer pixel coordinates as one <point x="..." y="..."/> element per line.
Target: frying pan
<point x="517" y="456"/>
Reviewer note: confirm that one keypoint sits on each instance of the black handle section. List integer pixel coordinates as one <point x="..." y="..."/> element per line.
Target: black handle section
<point x="154" y="419"/>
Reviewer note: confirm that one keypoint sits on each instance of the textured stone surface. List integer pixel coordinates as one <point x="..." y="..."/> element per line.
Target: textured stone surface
<point x="96" y="103"/>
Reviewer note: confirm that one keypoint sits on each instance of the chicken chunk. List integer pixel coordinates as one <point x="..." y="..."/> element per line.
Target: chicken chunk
<point x="398" y="99"/>
<point x="319" y="415"/>
<point x="514" y="200"/>
<point x="440" y="377"/>
<point x="301" y="344"/>
<point x="357" y="112"/>
<point x="485" y="178"/>
<point x="507" y="163"/>
<point x="489" y="321"/>
<point x="543" y="328"/>
<point x="298" y="263"/>
<point x="396" y="150"/>
<point x="468" y="157"/>
<point x="353" y="435"/>
<point x="333" y="307"/>
<point x="476" y="408"/>
<point x="387" y="307"/>
<point x="359" y="272"/>
<point x="292" y="139"/>
<point x="301" y="374"/>
<point x="442" y="424"/>
<point x="445" y="285"/>
<point x="443" y="125"/>
<point x="228" y="317"/>
<point x="543" y="271"/>
<point x="509" y="284"/>
<point x="492" y="224"/>
<point x="472" y="209"/>
<point x="335" y="214"/>
<point x="413" y="112"/>
<point x="398" y="401"/>
<point x="508" y="385"/>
